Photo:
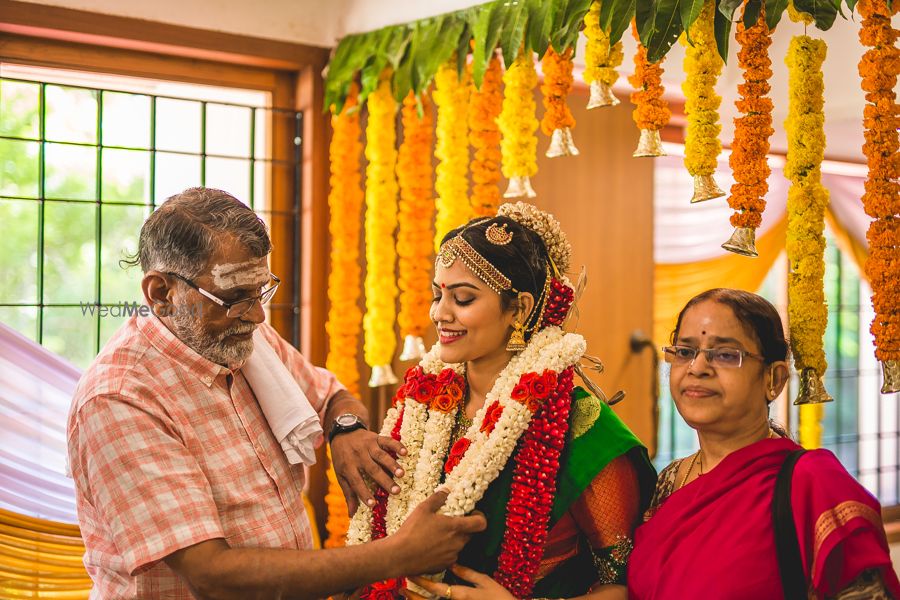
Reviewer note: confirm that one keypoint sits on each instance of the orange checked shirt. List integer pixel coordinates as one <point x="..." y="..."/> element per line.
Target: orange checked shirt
<point x="168" y="449"/>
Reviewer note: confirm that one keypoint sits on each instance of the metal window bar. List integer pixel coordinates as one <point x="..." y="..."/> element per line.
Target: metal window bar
<point x="253" y="160"/>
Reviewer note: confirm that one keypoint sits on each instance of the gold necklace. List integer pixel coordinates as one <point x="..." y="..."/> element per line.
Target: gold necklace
<point x="690" y="468"/>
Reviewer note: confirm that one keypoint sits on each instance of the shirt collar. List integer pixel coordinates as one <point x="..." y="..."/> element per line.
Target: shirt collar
<point x="168" y="344"/>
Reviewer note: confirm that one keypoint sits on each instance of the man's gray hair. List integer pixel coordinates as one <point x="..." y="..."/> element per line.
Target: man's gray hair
<point x="182" y="234"/>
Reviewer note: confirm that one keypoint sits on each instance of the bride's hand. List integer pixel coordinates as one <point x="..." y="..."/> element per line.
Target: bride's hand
<point x="483" y="587"/>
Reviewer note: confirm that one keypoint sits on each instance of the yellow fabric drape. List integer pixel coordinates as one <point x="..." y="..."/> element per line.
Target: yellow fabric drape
<point x="675" y="284"/>
<point x="41" y="559"/>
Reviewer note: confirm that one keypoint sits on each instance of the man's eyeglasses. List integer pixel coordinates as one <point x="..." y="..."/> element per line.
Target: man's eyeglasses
<point x="236" y="310"/>
<point x="729" y="358"/>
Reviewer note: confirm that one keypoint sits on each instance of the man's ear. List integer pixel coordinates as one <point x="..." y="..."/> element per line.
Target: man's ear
<point x="158" y="291"/>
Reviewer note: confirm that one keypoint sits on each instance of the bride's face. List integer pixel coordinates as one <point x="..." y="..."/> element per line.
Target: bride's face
<point x="468" y="315"/>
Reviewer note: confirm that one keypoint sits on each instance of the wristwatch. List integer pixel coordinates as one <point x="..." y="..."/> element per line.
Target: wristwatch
<point x="345" y="423"/>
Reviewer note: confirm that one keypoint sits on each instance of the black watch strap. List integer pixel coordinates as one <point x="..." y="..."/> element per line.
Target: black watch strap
<point x="345" y="424"/>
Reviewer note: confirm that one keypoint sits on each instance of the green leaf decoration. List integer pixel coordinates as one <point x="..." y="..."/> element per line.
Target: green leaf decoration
<point x="434" y="49"/>
<point x="823" y="11"/>
<point x="513" y="31"/>
<point x="851" y="4"/>
<point x="722" y="28"/>
<point x="616" y="17"/>
<point x="569" y="23"/>
<point x="659" y="25"/>
<point x="347" y="56"/>
<point x="774" y="11"/>
<point x="462" y="48"/>
<point x="541" y="15"/>
<point x="728" y="8"/>
<point x="690" y="10"/>
<point x="751" y="12"/>
<point x="487" y="33"/>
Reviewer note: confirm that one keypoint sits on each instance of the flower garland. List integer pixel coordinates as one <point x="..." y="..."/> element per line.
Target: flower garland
<point x="702" y="65"/>
<point x="530" y="378"/>
<point x="345" y="200"/>
<point x="879" y="69"/>
<point x="390" y="588"/>
<point x="807" y="200"/>
<point x="751" y="131"/>
<point x="558" y="121"/>
<point x="380" y="223"/>
<point x="651" y="112"/>
<point x="517" y="125"/>
<point x="414" y="234"/>
<point x="534" y="482"/>
<point x="601" y="60"/>
<point x="484" y="136"/>
<point x="452" y="150"/>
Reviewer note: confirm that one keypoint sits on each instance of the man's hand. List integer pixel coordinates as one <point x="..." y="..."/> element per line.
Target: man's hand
<point x="362" y="451"/>
<point x="428" y="541"/>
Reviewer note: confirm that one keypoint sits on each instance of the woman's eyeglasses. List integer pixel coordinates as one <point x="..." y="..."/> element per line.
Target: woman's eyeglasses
<point x="729" y="358"/>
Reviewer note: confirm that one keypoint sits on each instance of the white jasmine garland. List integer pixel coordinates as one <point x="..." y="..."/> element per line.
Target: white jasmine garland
<point x="412" y="434"/>
<point x="426" y="432"/>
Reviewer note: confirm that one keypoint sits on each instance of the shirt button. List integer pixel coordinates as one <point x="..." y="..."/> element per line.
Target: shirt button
<point x="207" y="380"/>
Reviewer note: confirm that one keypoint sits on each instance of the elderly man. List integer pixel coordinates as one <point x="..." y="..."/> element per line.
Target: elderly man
<point x="188" y="434"/>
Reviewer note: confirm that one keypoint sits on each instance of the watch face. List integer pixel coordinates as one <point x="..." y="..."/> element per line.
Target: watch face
<point x="347" y="420"/>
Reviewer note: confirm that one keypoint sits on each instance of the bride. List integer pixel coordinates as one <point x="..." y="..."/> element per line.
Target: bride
<point x="492" y="413"/>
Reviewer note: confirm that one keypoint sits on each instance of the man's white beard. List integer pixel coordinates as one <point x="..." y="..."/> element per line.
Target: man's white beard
<point x="214" y="348"/>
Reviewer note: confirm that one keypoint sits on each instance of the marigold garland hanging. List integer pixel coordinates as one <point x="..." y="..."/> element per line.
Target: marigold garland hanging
<point x="451" y="96"/>
<point x="807" y="200"/>
<point x="751" y="137"/>
<point x="517" y="125"/>
<point x="414" y="234"/>
<point x="484" y="135"/>
<point x="336" y="507"/>
<point x="381" y="221"/>
<point x="702" y="67"/>
<point x="879" y="68"/>
<point x="651" y="112"/>
<point x="345" y="200"/>
<point x="558" y="121"/>
<point x="600" y="60"/>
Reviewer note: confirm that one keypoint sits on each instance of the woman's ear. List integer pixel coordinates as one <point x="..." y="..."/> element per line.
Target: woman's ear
<point x="524" y="306"/>
<point x="776" y="378"/>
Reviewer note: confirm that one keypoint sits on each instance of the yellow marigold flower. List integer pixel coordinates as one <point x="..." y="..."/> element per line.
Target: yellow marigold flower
<point x="451" y="96"/>
<point x="380" y="222"/>
<point x="555" y="87"/>
<point x="517" y="121"/>
<point x="702" y="66"/>
<point x="416" y="214"/>
<point x="345" y="200"/>
<point x="601" y="60"/>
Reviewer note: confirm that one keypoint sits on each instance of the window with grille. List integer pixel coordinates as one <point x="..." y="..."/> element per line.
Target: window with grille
<point x="84" y="159"/>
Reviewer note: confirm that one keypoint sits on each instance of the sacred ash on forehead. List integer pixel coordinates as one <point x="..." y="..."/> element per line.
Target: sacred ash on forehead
<point x="231" y="275"/>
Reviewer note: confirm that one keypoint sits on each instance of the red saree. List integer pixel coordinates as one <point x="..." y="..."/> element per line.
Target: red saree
<point x="714" y="537"/>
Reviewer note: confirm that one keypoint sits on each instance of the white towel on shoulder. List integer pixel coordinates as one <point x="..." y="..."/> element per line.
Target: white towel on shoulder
<point x="290" y="415"/>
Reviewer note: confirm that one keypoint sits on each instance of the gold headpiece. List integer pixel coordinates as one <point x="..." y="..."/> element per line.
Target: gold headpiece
<point x="498" y="234"/>
<point x="458" y="247"/>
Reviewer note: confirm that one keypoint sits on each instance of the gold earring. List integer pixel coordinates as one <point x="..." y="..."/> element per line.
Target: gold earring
<point x="517" y="338"/>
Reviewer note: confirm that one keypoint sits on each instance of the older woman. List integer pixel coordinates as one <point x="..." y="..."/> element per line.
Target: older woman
<point x="709" y="531"/>
<point x="493" y="414"/>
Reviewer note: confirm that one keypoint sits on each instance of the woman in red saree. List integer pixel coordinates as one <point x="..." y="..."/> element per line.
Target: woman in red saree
<point x="709" y="530"/>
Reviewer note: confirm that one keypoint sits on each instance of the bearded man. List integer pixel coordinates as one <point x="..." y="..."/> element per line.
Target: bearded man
<point x="189" y="433"/>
